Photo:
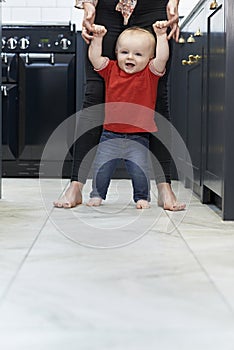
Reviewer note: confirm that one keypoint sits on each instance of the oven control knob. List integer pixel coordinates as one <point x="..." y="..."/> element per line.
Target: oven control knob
<point x="11" y="43"/>
<point x="24" y="43"/>
<point x="65" y="43"/>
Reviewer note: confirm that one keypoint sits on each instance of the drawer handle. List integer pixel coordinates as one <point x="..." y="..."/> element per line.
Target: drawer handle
<point x="181" y="40"/>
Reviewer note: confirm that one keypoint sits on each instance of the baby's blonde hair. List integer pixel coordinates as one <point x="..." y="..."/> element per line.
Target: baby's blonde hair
<point x="136" y="30"/>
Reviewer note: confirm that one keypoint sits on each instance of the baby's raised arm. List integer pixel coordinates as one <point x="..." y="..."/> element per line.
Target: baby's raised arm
<point x="162" y="47"/>
<point x="95" y="47"/>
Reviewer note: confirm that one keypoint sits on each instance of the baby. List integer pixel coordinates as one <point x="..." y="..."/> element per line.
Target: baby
<point x="131" y="84"/>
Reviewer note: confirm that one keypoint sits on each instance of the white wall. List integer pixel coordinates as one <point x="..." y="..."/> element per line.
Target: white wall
<point x="186" y="6"/>
<point x="40" y="11"/>
<point x="55" y="11"/>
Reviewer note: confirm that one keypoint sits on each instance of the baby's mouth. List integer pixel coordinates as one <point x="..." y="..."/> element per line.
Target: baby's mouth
<point x="130" y="65"/>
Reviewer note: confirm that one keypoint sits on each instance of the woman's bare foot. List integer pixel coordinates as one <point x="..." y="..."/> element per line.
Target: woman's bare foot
<point x="94" y="202"/>
<point x="142" y="204"/>
<point x="72" y="197"/>
<point x="167" y="199"/>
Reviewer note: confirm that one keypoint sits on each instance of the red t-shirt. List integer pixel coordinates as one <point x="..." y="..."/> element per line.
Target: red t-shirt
<point x="130" y="98"/>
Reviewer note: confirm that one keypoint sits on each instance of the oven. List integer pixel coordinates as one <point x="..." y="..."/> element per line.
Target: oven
<point x="38" y="92"/>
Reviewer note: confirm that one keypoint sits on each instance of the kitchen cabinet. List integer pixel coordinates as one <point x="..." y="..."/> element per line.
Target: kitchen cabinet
<point x="215" y="98"/>
<point x="201" y="100"/>
<point x="187" y="91"/>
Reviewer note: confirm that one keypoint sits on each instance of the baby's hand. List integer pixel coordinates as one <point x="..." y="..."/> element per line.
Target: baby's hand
<point x="98" y="30"/>
<point x="160" y="27"/>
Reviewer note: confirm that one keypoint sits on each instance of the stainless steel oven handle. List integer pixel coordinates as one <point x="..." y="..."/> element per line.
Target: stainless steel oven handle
<point x="32" y="57"/>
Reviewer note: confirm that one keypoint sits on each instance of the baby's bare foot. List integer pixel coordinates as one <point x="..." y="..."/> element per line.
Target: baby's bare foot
<point x="142" y="204"/>
<point x="72" y="197"/>
<point x="94" y="202"/>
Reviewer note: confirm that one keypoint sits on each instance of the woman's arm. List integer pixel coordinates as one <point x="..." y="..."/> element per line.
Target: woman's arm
<point x="80" y="3"/>
<point x="173" y="19"/>
<point x="89" y="16"/>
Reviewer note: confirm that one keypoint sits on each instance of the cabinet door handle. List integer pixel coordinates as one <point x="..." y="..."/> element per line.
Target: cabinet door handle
<point x="4" y="90"/>
<point x="198" y="32"/>
<point x="192" y="59"/>
<point x="213" y="5"/>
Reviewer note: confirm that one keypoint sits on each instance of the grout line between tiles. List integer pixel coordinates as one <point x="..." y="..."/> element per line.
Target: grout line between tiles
<point x="7" y="289"/>
<point x="206" y="273"/>
<point x="211" y="281"/>
<point x="13" y="278"/>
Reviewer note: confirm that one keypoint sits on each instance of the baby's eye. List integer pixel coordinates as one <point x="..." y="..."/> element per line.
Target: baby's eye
<point x="138" y="54"/>
<point x="124" y="52"/>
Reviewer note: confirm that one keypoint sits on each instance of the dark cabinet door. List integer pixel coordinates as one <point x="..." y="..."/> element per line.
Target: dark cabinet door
<point x="194" y="113"/>
<point x="214" y="122"/>
<point x="178" y="108"/>
<point x="9" y="122"/>
<point x="187" y="103"/>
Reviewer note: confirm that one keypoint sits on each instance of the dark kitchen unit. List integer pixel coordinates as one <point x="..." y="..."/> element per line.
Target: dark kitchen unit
<point x="202" y="104"/>
<point x="39" y="91"/>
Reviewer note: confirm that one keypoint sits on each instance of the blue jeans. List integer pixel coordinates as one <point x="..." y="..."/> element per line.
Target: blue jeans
<point x="134" y="150"/>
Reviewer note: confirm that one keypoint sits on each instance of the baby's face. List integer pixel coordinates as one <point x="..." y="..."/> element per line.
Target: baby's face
<point x="134" y="50"/>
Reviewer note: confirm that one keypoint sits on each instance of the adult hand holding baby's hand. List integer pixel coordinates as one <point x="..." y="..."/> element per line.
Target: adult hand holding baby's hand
<point x="98" y="30"/>
<point x="160" y="27"/>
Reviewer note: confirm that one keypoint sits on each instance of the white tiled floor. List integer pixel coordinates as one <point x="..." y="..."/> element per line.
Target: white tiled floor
<point x="70" y="279"/>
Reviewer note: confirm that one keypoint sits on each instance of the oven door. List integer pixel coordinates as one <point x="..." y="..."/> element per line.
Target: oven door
<point x="46" y="99"/>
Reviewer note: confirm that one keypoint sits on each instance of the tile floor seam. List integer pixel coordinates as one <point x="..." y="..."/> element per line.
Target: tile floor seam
<point x="206" y="273"/>
<point x="21" y="264"/>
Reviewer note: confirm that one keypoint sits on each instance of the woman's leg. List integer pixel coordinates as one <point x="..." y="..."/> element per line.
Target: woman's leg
<point x="89" y="126"/>
<point x="157" y="148"/>
<point x="166" y="196"/>
<point x="89" y="129"/>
